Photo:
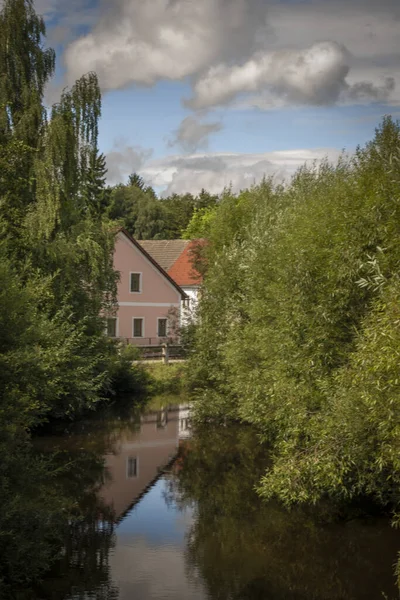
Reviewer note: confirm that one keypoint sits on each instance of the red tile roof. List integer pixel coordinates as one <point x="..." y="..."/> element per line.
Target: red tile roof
<point x="165" y="252"/>
<point x="182" y="271"/>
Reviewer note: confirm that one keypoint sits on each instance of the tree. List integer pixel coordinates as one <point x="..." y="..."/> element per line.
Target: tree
<point x="298" y="326"/>
<point x="25" y="68"/>
<point x="56" y="243"/>
<point x="97" y="194"/>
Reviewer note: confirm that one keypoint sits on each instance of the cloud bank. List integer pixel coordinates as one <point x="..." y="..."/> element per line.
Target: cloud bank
<point x="143" y="42"/>
<point x="311" y="52"/>
<point x="313" y="76"/>
<point x="214" y="171"/>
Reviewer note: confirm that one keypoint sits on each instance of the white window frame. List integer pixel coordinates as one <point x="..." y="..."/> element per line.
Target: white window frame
<point x="138" y="337"/>
<point x="167" y="328"/>
<point x="128" y="458"/>
<point x="140" y="281"/>
<point x="116" y="327"/>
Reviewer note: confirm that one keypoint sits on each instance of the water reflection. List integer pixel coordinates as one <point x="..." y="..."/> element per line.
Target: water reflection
<point x="160" y="514"/>
<point x="131" y="543"/>
<point x="136" y="459"/>
<point x="249" y="550"/>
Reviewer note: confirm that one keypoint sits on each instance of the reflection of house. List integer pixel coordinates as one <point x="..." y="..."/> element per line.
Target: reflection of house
<point x="176" y="257"/>
<point x="139" y="456"/>
<point x="184" y="422"/>
<point x="149" y="300"/>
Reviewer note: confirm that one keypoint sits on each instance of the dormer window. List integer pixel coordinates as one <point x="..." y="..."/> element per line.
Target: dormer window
<point x="135" y="283"/>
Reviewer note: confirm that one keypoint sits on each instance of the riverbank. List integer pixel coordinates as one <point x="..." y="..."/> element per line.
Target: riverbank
<point x="166" y="378"/>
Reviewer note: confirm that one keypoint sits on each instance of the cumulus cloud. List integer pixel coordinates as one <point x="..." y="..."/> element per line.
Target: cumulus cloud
<point x="283" y="53"/>
<point x="192" y="134"/>
<point x="142" y="42"/>
<point x="361" y="92"/>
<point x="315" y="75"/>
<point x="123" y="160"/>
<point x="213" y="172"/>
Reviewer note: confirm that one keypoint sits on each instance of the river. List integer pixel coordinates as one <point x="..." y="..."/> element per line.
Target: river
<point x="160" y="512"/>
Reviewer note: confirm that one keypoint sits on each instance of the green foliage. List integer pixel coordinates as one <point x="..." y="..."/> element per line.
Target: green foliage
<point x="136" y="207"/>
<point x="124" y="377"/>
<point x="200" y="224"/>
<point x="25" y="68"/>
<point x="299" y="325"/>
<point x="50" y="510"/>
<point x="56" y="268"/>
<point x="166" y="379"/>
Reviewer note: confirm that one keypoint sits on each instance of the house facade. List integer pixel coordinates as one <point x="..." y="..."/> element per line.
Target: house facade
<point x="149" y="300"/>
<point x="176" y="257"/>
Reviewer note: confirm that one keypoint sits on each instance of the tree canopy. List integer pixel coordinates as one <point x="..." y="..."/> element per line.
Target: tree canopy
<point x="136" y="206"/>
<point x="299" y="325"/>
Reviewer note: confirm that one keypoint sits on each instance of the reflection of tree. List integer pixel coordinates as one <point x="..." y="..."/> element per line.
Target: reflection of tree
<point x="82" y="567"/>
<point x="51" y="513"/>
<point x="248" y="550"/>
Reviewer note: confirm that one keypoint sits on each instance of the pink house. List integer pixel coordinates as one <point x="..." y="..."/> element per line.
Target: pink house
<point x="149" y="300"/>
<point x="176" y="257"/>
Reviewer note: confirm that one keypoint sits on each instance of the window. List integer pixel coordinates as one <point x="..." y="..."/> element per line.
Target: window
<point x="135" y="282"/>
<point x="132" y="466"/>
<point x="162" y="327"/>
<point x="112" y="327"/>
<point x="138" y="327"/>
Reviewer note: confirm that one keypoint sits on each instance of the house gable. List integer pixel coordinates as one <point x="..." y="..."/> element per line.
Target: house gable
<point x="157" y="287"/>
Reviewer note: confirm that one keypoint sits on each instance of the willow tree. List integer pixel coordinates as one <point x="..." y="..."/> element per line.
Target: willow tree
<point x="67" y="234"/>
<point x="25" y="68"/>
<point x="58" y="244"/>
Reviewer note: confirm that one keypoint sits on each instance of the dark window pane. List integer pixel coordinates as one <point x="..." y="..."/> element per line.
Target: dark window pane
<point x="137" y="327"/>
<point x="135" y="282"/>
<point x="162" y="327"/>
<point x="132" y="466"/>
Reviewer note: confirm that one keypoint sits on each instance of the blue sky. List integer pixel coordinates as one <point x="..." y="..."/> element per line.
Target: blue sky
<point x="253" y="86"/>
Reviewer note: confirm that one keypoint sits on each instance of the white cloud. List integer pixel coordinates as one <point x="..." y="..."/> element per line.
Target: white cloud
<point x="123" y="160"/>
<point x="229" y="48"/>
<point x="192" y="134"/>
<point x="144" y="570"/>
<point x="214" y="171"/>
<point x="142" y="42"/>
<point x="315" y="75"/>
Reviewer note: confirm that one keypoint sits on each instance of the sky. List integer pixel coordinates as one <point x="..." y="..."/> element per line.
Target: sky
<point x="211" y="93"/>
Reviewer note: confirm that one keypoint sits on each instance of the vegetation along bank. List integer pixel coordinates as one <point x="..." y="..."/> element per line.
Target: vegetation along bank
<point x="300" y="324"/>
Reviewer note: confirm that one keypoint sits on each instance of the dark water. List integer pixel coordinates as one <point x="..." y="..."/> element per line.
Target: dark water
<point x="156" y="512"/>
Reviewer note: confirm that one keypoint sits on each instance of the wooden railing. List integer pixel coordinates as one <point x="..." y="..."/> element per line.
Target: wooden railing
<point x="157" y="348"/>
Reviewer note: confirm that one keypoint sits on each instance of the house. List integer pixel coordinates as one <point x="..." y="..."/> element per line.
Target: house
<point x="176" y="257"/>
<point x="149" y="299"/>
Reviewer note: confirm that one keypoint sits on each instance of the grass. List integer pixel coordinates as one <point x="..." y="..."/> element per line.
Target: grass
<point x="167" y="379"/>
